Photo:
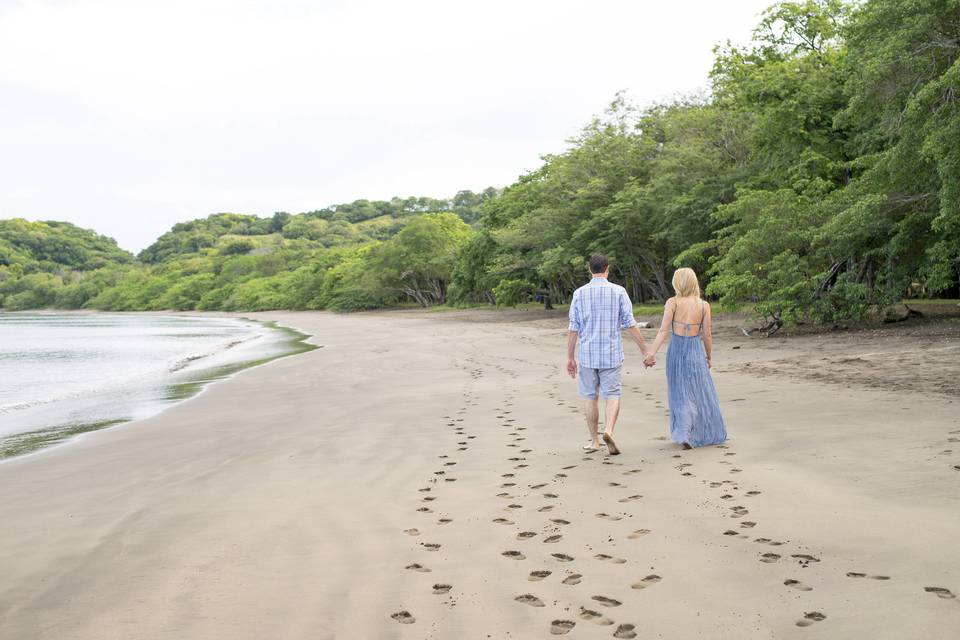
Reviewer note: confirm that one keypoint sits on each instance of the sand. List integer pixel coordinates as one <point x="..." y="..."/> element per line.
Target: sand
<point x="420" y="476"/>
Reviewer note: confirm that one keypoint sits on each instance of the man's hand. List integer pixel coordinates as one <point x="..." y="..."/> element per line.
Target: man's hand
<point x="650" y="360"/>
<point x="572" y="368"/>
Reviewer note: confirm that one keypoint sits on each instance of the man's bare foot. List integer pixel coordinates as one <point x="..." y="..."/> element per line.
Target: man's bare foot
<point x="611" y="445"/>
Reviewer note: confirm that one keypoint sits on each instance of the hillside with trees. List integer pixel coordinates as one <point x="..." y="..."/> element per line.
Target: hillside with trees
<point x="817" y="179"/>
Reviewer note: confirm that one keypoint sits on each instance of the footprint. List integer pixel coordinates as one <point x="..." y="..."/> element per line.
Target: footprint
<point x="550" y="495"/>
<point x="809" y="618"/>
<point x="559" y="521"/>
<point x="562" y="557"/>
<point x="607" y="602"/>
<point x="573" y="578"/>
<point x="639" y="533"/>
<point x="440" y="589"/>
<point x="425" y="510"/>
<point x="538" y="486"/>
<point x="530" y="599"/>
<point x="769" y="557"/>
<point x="525" y="535"/>
<point x="753" y="493"/>
<point x="537" y="576"/>
<point x="854" y="574"/>
<point x="646" y="582"/>
<point x="747" y="525"/>
<point x="630" y="498"/>
<point x="430" y="546"/>
<point x="403" y="617"/>
<point x="514" y="555"/>
<point x="554" y="538"/>
<point x="625" y="631"/>
<point x="444" y="520"/>
<point x="416" y="532"/>
<point x="548" y="507"/>
<point x="796" y="584"/>
<point x="514" y="506"/>
<point x="607" y="516"/>
<point x="502" y="521"/>
<point x="606" y="558"/>
<point x="940" y="592"/>
<point x="804" y="558"/>
<point x="595" y="617"/>
<point x="417" y="567"/>
<point x="561" y="627"/>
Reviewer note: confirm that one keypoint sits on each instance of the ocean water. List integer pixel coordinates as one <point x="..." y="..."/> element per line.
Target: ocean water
<point x="63" y="374"/>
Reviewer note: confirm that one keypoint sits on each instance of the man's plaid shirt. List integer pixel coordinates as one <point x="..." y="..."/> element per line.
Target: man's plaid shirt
<point x="598" y="311"/>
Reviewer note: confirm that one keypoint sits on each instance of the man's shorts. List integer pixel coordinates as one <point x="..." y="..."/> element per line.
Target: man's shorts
<point x="606" y="381"/>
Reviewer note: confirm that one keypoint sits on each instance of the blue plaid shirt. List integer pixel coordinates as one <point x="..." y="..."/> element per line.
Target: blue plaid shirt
<point x="598" y="311"/>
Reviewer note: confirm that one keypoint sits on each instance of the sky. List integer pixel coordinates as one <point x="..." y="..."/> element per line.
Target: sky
<point x="127" y="116"/>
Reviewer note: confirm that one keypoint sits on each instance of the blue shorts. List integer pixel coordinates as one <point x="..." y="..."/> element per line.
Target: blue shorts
<point x="606" y="381"/>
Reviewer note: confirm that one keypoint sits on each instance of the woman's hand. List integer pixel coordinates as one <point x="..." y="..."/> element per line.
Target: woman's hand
<point x="709" y="364"/>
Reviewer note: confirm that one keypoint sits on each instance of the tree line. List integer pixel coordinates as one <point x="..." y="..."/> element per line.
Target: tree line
<point x="817" y="179"/>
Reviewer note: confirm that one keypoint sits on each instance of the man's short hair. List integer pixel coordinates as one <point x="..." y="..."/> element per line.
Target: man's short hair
<point x="598" y="263"/>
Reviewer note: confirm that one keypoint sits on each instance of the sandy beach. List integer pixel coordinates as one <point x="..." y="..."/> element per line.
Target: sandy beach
<point x="420" y="476"/>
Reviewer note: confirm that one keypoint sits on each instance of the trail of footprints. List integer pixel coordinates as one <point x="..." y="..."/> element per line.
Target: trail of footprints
<point x="801" y="560"/>
<point x="463" y="439"/>
<point x="514" y="491"/>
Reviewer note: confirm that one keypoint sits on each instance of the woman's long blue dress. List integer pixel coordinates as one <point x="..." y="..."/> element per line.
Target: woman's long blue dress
<point x="695" y="416"/>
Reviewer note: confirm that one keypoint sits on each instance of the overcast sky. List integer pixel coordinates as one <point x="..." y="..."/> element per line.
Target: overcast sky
<point x="127" y="116"/>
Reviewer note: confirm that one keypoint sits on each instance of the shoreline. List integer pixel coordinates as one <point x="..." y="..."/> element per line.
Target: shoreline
<point x="194" y="382"/>
<point x="293" y="500"/>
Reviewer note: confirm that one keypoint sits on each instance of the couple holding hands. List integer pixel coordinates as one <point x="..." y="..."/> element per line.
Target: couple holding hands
<point x="598" y="312"/>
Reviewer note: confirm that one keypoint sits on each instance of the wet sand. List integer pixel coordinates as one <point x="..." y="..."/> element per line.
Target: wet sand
<point x="420" y="476"/>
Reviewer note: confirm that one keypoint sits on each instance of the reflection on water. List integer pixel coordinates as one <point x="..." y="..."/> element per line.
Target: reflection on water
<point x="63" y="374"/>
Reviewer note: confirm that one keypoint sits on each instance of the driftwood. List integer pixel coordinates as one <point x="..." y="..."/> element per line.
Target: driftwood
<point x="911" y="313"/>
<point x="769" y="328"/>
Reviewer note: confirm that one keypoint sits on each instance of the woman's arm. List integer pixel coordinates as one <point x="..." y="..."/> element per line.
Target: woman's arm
<point x="707" y="329"/>
<point x="668" y="310"/>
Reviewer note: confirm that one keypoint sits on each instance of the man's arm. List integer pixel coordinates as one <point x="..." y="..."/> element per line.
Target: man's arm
<point x="629" y="323"/>
<point x="634" y="333"/>
<point x="573" y="334"/>
<point x="572" y="337"/>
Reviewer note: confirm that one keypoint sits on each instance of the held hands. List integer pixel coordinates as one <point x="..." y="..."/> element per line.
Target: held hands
<point x="649" y="359"/>
<point x="572" y="368"/>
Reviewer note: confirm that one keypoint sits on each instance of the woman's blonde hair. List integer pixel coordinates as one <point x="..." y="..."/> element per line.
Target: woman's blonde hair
<point x="685" y="283"/>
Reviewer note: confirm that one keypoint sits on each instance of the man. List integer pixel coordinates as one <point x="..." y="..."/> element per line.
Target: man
<point x="598" y="311"/>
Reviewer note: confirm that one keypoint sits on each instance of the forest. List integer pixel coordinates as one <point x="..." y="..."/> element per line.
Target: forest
<point x="817" y="179"/>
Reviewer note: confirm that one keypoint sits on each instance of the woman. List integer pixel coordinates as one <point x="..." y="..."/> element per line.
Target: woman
<point x="695" y="418"/>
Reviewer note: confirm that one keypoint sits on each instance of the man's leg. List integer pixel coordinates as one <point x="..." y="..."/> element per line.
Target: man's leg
<point x="589" y="384"/>
<point x="612" y="412"/>
<point x="610" y="390"/>
<point x="591" y="409"/>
